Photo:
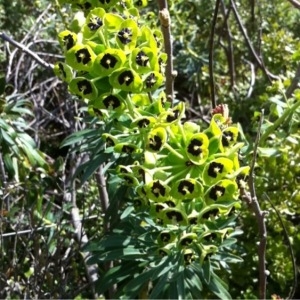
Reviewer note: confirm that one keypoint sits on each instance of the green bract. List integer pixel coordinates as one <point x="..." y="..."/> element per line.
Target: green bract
<point x="80" y="57"/>
<point x="83" y="87"/>
<point x="108" y="61"/>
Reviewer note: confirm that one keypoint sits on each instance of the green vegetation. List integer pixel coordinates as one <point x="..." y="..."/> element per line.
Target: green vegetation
<point x="114" y="185"/>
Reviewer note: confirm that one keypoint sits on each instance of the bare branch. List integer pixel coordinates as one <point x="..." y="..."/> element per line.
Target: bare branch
<point x="295" y="3"/>
<point x="251" y="200"/>
<point x="165" y="22"/>
<point x="229" y="49"/>
<point x="39" y="60"/>
<point x="249" y="44"/>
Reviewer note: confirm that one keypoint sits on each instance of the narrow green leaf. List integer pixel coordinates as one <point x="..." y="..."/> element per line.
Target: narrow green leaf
<point x="132" y="289"/>
<point x="219" y="287"/>
<point x="80" y="136"/>
<point x="206" y="270"/>
<point x="193" y="282"/>
<point x="89" y="168"/>
<point x="160" y="287"/>
<point x="116" y="275"/>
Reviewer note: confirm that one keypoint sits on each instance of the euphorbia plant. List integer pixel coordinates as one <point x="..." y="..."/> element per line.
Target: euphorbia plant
<point x="178" y="183"/>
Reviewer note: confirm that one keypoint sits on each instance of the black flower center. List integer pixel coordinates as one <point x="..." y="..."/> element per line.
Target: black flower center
<point x="212" y="212"/>
<point x="109" y="142"/>
<point x="216" y="192"/>
<point x="188" y="257"/>
<point x="127" y="149"/>
<point x="165" y="237"/>
<point x="125" y="35"/>
<point x="227" y="137"/>
<point x="128" y="180"/>
<point x="108" y="61"/>
<point x="185" y="187"/>
<point x="193" y="220"/>
<point x="150" y="81"/>
<point x="85" y="87"/>
<point x="214" y="169"/>
<point x="170" y="203"/>
<point x="174" y="215"/>
<point x="111" y="102"/>
<point x="158" y="189"/>
<point x="83" y="56"/>
<point x="173" y="116"/>
<point x="62" y="71"/>
<point x="95" y="23"/>
<point x="159" y="207"/>
<point x="142" y="59"/>
<point x="155" y="143"/>
<point x="210" y="237"/>
<point x="69" y="41"/>
<point x="186" y="241"/>
<point x="126" y="77"/>
<point x="194" y="147"/>
<point x="143" y="123"/>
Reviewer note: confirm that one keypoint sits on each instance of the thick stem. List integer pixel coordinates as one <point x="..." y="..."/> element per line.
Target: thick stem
<point x="211" y="56"/>
<point x="165" y="22"/>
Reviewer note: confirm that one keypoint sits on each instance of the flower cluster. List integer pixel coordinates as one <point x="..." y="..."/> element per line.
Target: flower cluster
<point x="186" y="178"/>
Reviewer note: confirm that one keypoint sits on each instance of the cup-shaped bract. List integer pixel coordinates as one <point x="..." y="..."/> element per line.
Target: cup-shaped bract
<point x="166" y="237"/>
<point x="94" y="22"/>
<point x="157" y="190"/>
<point x="126" y="148"/>
<point x="197" y="148"/>
<point x="63" y="71"/>
<point x="186" y="189"/>
<point x="67" y="39"/>
<point x="108" y="61"/>
<point x="152" y="81"/>
<point x="187" y="239"/>
<point x="143" y="123"/>
<point x="147" y="39"/>
<point x="81" y="57"/>
<point x="172" y="115"/>
<point x="144" y="60"/>
<point x="130" y="179"/>
<point x="126" y="80"/>
<point x="223" y="190"/>
<point x="83" y="87"/>
<point x="111" y="102"/>
<point x="216" y="170"/>
<point x="126" y="36"/>
<point x="156" y="139"/>
<point x="112" y="22"/>
<point x="174" y="216"/>
<point x="229" y="137"/>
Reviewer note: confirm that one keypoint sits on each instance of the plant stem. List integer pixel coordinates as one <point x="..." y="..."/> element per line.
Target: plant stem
<point x="251" y="200"/>
<point x="211" y="56"/>
<point x="165" y="22"/>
